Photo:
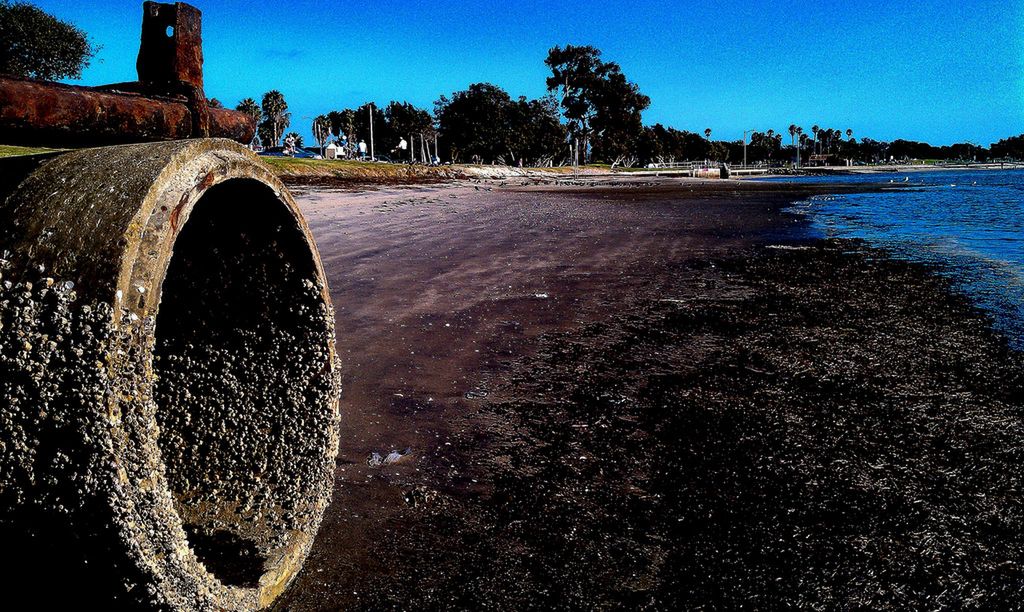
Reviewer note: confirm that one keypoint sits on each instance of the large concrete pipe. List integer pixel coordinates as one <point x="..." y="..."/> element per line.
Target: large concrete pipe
<point x="168" y="380"/>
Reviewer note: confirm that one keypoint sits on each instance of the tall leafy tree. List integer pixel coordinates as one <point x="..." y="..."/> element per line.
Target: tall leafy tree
<point x="535" y="135"/>
<point x="276" y="117"/>
<point x="662" y="144"/>
<point x="718" y="151"/>
<point x="403" y="120"/>
<point x="361" y="125"/>
<point x="618" y="121"/>
<point x="484" y="123"/>
<point x="1012" y="147"/>
<point x="576" y="72"/>
<point x="601" y="106"/>
<point x="473" y="122"/>
<point x="35" y="44"/>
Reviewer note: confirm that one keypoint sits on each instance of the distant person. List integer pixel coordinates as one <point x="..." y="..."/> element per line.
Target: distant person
<point x="362" y="149"/>
<point x="289" y="146"/>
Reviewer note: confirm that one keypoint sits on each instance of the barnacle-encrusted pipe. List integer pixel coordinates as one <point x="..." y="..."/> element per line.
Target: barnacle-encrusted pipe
<point x="168" y="379"/>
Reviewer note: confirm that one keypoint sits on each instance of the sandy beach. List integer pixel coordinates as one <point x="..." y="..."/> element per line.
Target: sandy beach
<point x="657" y="393"/>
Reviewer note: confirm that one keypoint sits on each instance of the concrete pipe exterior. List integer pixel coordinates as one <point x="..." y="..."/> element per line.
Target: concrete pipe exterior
<point x="168" y="379"/>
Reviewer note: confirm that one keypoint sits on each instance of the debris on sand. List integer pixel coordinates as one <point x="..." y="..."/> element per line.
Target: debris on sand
<point x="788" y="247"/>
<point x="419" y="496"/>
<point x="378" y="459"/>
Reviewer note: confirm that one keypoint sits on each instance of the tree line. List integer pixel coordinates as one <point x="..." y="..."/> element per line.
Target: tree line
<point x="590" y="113"/>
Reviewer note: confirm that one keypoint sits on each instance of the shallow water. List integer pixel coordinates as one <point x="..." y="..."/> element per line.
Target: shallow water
<point x="968" y="223"/>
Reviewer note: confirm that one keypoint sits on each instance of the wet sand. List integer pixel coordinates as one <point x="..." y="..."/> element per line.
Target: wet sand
<point x="561" y="370"/>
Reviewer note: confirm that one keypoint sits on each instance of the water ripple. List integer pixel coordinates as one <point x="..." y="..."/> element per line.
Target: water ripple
<point x="968" y="224"/>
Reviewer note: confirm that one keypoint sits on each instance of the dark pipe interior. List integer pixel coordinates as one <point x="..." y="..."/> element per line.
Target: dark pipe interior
<point x="242" y="379"/>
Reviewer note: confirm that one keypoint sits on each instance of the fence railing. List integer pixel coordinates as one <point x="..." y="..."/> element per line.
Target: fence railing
<point x="686" y="165"/>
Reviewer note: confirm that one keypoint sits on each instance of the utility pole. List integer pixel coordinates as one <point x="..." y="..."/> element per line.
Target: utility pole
<point x="575" y="158"/>
<point x="745" y="132"/>
<point x="370" y="109"/>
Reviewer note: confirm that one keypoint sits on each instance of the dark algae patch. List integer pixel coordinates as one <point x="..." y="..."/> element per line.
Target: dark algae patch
<point x="816" y="427"/>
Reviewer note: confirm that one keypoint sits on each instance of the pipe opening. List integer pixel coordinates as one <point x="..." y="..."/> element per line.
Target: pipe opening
<point x="243" y="388"/>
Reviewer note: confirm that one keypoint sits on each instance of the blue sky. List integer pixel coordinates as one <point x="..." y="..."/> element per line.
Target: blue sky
<point x="940" y="71"/>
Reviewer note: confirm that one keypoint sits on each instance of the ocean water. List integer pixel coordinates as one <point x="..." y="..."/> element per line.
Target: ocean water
<point x="968" y="225"/>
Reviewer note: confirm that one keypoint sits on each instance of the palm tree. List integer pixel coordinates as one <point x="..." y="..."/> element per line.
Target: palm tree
<point x="343" y="122"/>
<point x="322" y="131"/>
<point x="348" y="122"/>
<point x="296" y="138"/>
<point x="815" y="129"/>
<point x="849" y="134"/>
<point x="707" y="133"/>
<point x="799" y="141"/>
<point x="275" y="115"/>
<point x="334" y="121"/>
<point x="772" y="139"/>
<point x="792" y="141"/>
<point x="251" y="108"/>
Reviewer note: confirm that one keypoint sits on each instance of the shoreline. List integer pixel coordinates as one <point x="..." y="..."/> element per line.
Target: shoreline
<point x="897" y="168"/>
<point x="358" y="174"/>
<point x="505" y="339"/>
<point x="894" y="169"/>
<point x="355" y="174"/>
